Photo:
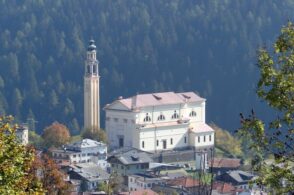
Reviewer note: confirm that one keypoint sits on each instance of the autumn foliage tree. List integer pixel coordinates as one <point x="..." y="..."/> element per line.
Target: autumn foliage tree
<point x="275" y="138"/>
<point x="56" y="135"/>
<point x="15" y="161"/>
<point x="226" y="142"/>
<point x="45" y="171"/>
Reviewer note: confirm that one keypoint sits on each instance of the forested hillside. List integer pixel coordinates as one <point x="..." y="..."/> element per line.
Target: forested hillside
<point x="208" y="46"/>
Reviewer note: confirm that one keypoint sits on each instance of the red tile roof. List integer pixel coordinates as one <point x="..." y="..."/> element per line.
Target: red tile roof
<point x="223" y="187"/>
<point x="139" y="192"/>
<point x="225" y="162"/>
<point x="187" y="182"/>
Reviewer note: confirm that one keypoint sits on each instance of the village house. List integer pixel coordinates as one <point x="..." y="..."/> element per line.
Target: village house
<point x="83" y="151"/>
<point x="129" y="161"/>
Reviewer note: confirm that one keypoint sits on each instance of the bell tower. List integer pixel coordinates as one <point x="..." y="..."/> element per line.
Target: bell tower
<point x="91" y="89"/>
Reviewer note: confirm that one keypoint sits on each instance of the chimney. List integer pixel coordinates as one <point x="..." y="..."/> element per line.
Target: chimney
<point x="134" y="102"/>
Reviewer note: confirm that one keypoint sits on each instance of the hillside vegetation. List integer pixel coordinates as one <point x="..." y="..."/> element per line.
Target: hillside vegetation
<point x="206" y="46"/>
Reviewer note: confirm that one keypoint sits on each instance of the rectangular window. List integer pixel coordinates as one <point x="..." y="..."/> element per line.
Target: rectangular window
<point x="171" y="141"/>
<point x="204" y="138"/>
<point x="157" y="142"/>
<point x="121" y="142"/>
<point x="198" y="139"/>
<point x="143" y="144"/>
<point x="210" y="138"/>
<point x="185" y="139"/>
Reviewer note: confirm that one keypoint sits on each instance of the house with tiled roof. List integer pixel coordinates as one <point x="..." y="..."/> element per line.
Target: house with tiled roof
<point x="90" y="175"/>
<point x="222" y="165"/>
<point x="139" y="192"/>
<point x="237" y="178"/>
<point x="158" y="121"/>
<point x="128" y="161"/>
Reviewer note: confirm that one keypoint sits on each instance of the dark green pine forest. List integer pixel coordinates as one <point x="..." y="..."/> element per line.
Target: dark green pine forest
<point x="206" y="46"/>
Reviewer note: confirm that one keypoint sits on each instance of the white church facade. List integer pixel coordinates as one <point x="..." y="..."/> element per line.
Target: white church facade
<point x="158" y="121"/>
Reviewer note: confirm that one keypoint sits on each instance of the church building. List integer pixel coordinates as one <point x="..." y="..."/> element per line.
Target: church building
<point x="91" y="90"/>
<point x="158" y="121"/>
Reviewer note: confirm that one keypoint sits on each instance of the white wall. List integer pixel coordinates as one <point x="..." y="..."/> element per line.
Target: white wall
<point x="131" y="126"/>
<point x="198" y="140"/>
<point x="119" y="123"/>
<point x="151" y="135"/>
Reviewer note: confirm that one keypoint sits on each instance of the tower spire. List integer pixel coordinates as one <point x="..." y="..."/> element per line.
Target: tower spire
<point x="91" y="89"/>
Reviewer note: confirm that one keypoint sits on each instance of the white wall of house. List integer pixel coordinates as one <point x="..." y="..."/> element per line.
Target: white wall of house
<point x="139" y="183"/>
<point x="122" y="169"/>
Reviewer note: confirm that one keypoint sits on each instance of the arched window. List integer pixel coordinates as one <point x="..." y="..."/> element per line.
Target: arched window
<point x="147" y="118"/>
<point x="175" y="115"/>
<point x="88" y="69"/>
<point x="192" y="113"/>
<point x="94" y="69"/>
<point x="161" y="117"/>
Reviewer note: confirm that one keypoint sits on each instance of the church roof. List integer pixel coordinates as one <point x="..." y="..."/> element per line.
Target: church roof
<point x="201" y="128"/>
<point x="157" y="99"/>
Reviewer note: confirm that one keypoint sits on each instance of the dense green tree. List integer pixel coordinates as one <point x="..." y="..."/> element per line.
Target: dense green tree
<point x="2" y="83"/>
<point x="53" y="99"/>
<point x="276" y="87"/>
<point x="16" y="103"/>
<point x="96" y="134"/>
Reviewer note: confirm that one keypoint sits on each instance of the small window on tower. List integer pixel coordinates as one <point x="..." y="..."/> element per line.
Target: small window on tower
<point x="94" y="69"/>
<point x="88" y="69"/>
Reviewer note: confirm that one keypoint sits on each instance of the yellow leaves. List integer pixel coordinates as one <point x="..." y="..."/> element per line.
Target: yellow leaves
<point x="225" y="141"/>
<point x="15" y="160"/>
